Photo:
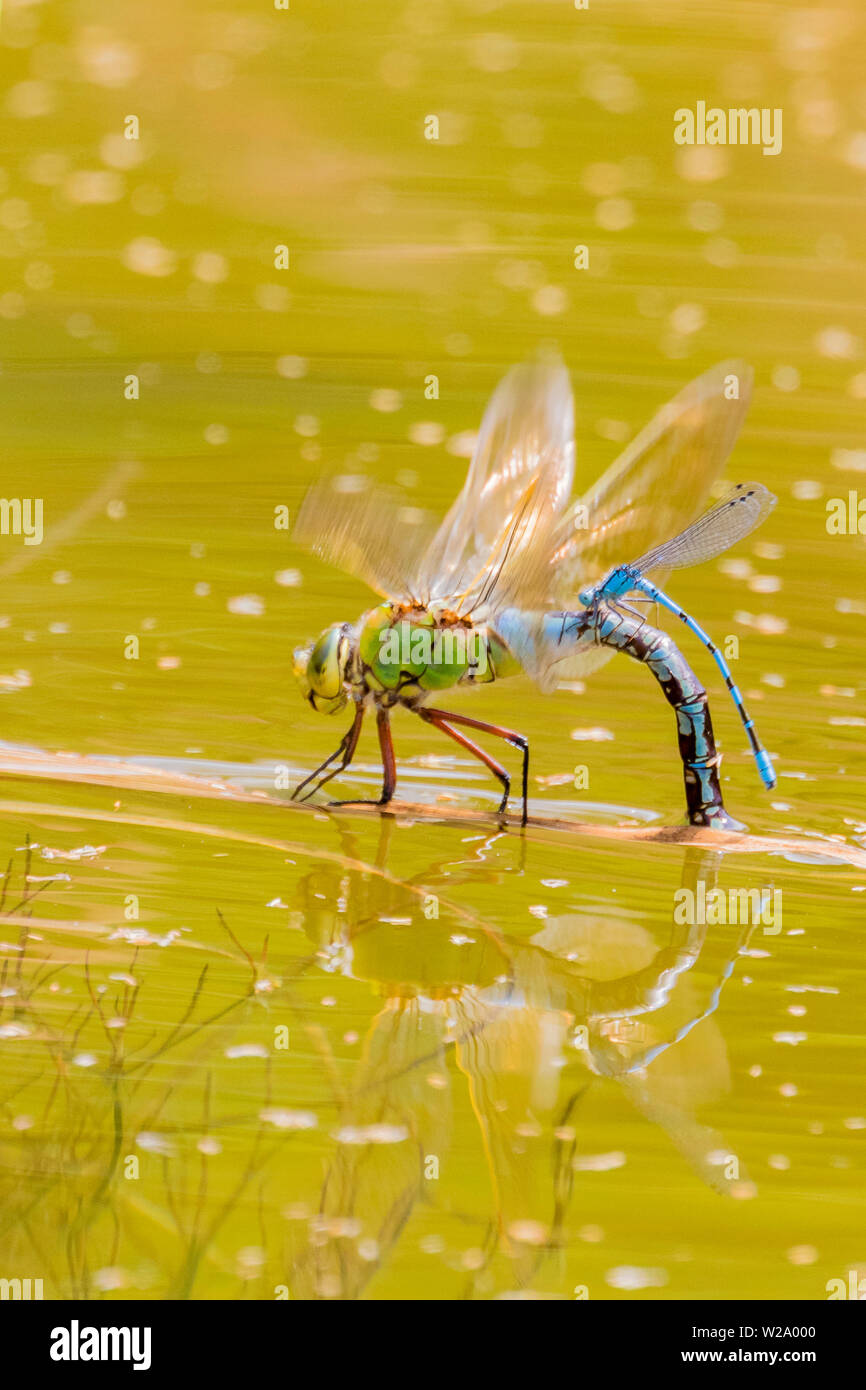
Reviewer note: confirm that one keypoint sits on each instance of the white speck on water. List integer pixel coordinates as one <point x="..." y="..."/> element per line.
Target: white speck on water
<point x="633" y="1277"/>
<point x="140" y="936"/>
<point x="427" y="433"/>
<point x="372" y="1134"/>
<point x="785" y="378"/>
<point x="599" y="1163"/>
<point x="146" y="255"/>
<point x="529" y="1232"/>
<point x="288" y="1119"/>
<point x="154" y="1143"/>
<point x="288" y="579"/>
<point x="291" y="367"/>
<point x="803" y="1255"/>
<point x="849" y="460"/>
<point x="248" y="605"/>
<point x="386" y="400"/>
<point x="14" y="1030"/>
<point x="82" y="852"/>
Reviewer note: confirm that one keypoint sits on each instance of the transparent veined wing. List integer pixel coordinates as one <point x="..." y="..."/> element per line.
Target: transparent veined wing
<point x="653" y="491"/>
<point x="366" y="530"/>
<point x="659" y="484"/>
<point x="497" y="537"/>
<point x="729" y="521"/>
<point x="498" y="534"/>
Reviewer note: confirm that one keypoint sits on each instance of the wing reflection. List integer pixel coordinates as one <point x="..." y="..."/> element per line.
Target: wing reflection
<point x="535" y="1026"/>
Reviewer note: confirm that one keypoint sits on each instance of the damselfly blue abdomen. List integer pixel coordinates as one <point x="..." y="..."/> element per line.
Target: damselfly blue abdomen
<point x="738" y="513"/>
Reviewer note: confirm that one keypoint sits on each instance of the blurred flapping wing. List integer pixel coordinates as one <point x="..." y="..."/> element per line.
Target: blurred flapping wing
<point x="659" y="484"/>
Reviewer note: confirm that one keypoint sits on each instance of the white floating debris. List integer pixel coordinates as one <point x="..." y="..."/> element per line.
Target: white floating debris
<point x="529" y="1232"/>
<point x="111" y="1277"/>
<point x="633" y="1277"/>
<point x="849" y="460"/>
<point x="19" y="680"/>
<point x="154" y="1143"/>
<point x="599" y="1163"/>
<point x="83" y="852"/>
<point x="145" y="255"/>
<point x="288" y="1119"/>
<point x="248" y="605"/>
<point x="803" y="1255"/>
<point x="385" y="400"/>
<point x="246" y="1050"/>
<point x="140" y="936"/>
<point x="372" y="1134"/>
<point x="427" y="432"/>
<point x="288" y="579"/>
<point x="769" y="624"/>
<point x="291" y="367"/>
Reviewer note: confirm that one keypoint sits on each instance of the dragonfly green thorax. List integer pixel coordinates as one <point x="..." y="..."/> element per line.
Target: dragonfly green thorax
<point x="399" y="653"/>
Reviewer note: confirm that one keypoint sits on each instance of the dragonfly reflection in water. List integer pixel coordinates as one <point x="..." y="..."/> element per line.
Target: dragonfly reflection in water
<point x="488" y="594"/>
<point x="533" y="1026"/>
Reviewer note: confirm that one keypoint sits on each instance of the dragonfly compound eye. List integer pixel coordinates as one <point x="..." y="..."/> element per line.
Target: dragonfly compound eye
<point x="321" y="670"/>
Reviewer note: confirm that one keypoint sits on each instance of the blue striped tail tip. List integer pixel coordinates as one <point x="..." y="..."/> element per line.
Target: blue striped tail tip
<point x="766" y="769"/>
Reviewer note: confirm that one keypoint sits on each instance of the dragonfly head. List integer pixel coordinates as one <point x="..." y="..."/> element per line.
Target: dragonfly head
<point x="321" y="669"/>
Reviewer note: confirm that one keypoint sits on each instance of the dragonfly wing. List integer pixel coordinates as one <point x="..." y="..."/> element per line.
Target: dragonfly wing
<point x="518" y="483"/>
<point x="655" y="489"/>
<point x="659" y="484"/>
<point x="498" y="530"/>
<point x="366" y="531"/>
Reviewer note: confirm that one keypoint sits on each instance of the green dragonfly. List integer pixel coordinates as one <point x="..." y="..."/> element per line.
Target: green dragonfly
<point x="490" y="592"/>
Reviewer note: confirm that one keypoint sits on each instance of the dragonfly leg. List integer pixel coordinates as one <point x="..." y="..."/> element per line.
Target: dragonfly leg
<point x="443" y="720"/>
<point x="389" y="765"/>
<point x="345" y="752"/>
